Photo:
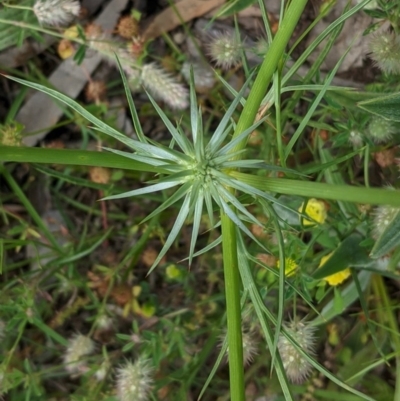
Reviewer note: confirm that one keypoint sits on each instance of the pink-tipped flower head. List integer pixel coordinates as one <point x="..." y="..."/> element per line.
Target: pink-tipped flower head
<point x="56" y="12"/>
<point x="297" y="368"/>
<point x="134" y="381"/>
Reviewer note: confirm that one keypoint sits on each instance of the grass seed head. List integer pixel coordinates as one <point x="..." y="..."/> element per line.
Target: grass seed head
<point x="134" y="381"/>
<point x="56" y="12"/>
<point x="163" y="86"/>
<point x="297" y="368"/>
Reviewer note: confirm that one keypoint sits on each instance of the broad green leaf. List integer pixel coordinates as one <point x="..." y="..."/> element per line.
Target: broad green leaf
<point x="389" y="239"/>
<point x="348" y="254"/>
<point x="349" y="98"/>
<point x="385" y="106"/>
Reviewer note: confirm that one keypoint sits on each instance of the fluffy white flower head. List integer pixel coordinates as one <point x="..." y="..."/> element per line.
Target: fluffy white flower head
<point x="163" y="86"/>
<point x="134" y="381"/>
<point x="297" y="368"/>
<point x="225" y="50"/>
<point x="56" y="12"/>
<point x="78" y="347"/>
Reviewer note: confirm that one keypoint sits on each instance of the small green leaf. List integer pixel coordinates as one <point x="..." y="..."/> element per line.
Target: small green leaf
<point x="348" y="254"/>
<point x="389" y="239"/>
<point x="234" y="7"/>
<point x="385" y="106"/>
<point x="338" y="304"/>
<point x="349" y="294"/>
<point x="376" y="13"/>
<point x="80" y="54"/>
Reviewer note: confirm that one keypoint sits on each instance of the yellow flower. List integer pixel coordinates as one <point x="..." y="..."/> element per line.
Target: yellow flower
<point x="316" y="209"/>
<point x="72" y="32"/>
<point x="337" y="278"/>
<point x="290" y="266"/>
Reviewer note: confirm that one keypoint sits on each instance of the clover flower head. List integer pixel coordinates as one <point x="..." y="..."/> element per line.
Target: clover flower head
<point x="78" y="347"/>
<point x="128" y="27"/>
<point x="225" y="50"/>
<point x="56" y="12"/>
<point x="134" y="380"/>
<point x="101" y="373"/>
<point x="385" y="51"/>
<point x="297" y="368"/>
<point x="381" y="130"/>
<point x="383" y="216"/>
<point x="336" y="278"/>
<point x="10" y="134"/>
<point x="316" y="210"/>
<point x="261" y="47"/>
<point x="249" y="344"/>
<point x="356" y="139"/>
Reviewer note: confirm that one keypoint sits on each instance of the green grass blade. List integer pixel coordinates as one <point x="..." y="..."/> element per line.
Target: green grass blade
<point x="128" y="94"/>
<point x="321" y="190"/>
<point x="73" y="157"/>
<point x="179" y="222"/>
<point x="146" y="190"/>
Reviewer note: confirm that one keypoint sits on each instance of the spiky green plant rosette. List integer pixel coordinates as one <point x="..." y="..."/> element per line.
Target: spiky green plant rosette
<point x="200" y="169"/>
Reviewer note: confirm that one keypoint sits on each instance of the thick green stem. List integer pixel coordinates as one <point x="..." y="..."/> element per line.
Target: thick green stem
<point x="386" y="314"/>
<point x="233" y="309"/>
<point x="231" y="270"/>
<point x="268" y="67"/>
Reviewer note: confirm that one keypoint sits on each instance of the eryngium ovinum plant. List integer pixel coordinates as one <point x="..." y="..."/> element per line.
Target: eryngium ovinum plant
<point x="204" y="173"/>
